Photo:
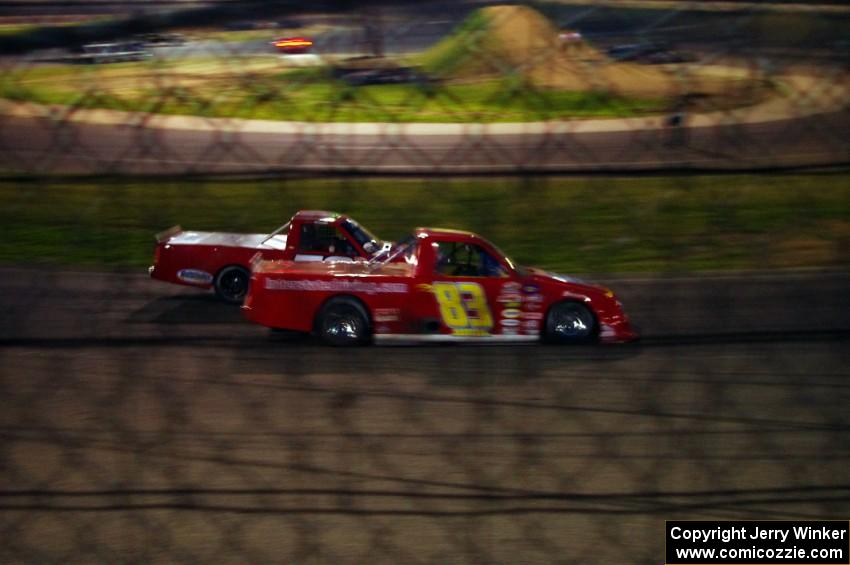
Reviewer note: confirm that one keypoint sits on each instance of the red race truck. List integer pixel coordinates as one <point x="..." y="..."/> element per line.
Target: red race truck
<point x="223" y="260"/>
<point x="436" y="285"/>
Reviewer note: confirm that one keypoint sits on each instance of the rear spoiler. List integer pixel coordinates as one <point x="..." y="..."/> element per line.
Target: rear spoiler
<point x="168" y="234"/>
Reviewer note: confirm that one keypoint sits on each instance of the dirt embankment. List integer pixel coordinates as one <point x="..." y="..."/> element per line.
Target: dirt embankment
<point x="521" y="42"/>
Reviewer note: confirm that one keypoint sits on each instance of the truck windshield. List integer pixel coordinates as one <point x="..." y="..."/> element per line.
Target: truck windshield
<point x="405" y="247"/>
<point x="361" y="235"/>
<point x="520" y="270"/>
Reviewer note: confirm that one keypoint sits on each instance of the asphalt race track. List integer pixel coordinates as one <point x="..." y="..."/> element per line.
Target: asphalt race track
<point x="47" y="145"/>
<point x="145" y="421"/>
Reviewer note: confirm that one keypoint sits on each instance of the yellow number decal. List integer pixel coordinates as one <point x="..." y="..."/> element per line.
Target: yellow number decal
<point x="454" y="315"/>
<point x="477" y="311"/>
<point x="463" y="305"/>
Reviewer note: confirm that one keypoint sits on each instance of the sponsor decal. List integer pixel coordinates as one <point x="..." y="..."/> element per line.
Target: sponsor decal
<point x="513" y="304"/>
<point x="511" y="313"/>
<point x="533" y="298"/>
<point x="534" y="306"/>
<point x="386" y="314"/>
<point x="531" y="325"/>
<point x="509" y="331"/>
<point x="424" y="287"/>
<point x="509" y="298"/>
<point x="512" y="286"/>
<point x="337" y="286"/>
<point x="194" y="276"/>
<point x="509" y="323"/>
<point x="531" y="289"/>
<point x="532" y="315"/>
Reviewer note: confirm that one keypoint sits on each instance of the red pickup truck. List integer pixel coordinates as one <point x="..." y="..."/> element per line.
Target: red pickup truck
<point x="436" y="285"/>
<point x="223" y="260"/>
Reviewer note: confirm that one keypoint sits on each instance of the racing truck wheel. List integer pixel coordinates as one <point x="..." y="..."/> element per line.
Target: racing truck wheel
<point x="343" y="321"/>
<point x="231" y="284"/>
<point x="570" y="322"/>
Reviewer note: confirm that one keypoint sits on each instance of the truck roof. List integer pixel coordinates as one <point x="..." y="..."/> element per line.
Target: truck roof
<point x="315" y="215"/>
<point x="444" y="232"/>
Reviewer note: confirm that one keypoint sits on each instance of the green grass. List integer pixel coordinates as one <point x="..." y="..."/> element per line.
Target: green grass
<point x="38" y="27"/>
<point x="7" y="29"/>
<point x="450" y="53"/>
<point x="568" y="225"/>
<point x="15" y="29"/>
<point x="264" y="91"/>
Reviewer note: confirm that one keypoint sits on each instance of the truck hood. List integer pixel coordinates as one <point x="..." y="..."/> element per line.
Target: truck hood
<point x="573" y="283"/>
<point x="250" y="240"/>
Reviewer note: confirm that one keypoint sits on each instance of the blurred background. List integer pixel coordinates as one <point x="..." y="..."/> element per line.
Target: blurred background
<point x="690" y="155"/>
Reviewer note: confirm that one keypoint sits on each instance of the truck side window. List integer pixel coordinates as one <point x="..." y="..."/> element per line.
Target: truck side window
<point x="466" y="260"/>
<point x="324" y="239"/>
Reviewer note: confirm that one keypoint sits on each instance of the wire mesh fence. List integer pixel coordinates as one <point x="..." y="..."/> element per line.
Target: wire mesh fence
<point x="427" y="88"/>
<point x="168" y="448"/>
<point x="146" y="423"/>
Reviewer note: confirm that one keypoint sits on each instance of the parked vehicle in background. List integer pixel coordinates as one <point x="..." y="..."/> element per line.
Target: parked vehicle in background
<point x="117" y="52"/>
<point x="399" y="75"/>
<point x="222" y="261"/>
<point x="363" y="71"/>
<point x="162" y="39"/>
<point x="436" y="285"/>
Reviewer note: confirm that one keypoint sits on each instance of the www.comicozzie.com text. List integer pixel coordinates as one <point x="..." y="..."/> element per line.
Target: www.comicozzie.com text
<point x="757" y="533"/>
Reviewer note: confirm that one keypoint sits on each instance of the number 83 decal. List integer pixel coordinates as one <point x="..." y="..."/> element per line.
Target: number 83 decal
<point x="463" y="305"/>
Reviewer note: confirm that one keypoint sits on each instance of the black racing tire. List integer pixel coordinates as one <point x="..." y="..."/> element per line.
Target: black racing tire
<point x="570" y="322"/>
<point x="231" y="284"/>
<point x="343" y="321"/>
